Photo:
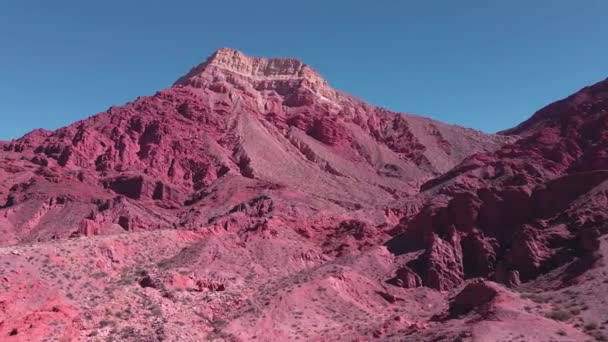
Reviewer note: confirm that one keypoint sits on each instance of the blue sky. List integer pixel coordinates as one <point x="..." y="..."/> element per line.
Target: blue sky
<point x="478" y="63"/>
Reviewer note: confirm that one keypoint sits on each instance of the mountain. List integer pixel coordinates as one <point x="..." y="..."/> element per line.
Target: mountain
<point x="252" y="201"/>
<point x="187" y="155"/>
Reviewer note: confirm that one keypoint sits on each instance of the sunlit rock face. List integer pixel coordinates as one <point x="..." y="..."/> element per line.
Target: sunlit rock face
<point x="294" y="211"/>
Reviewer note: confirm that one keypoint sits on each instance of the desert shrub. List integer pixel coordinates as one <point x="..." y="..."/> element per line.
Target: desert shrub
<point x="559" y="315"/>
<point x="590" y="326"/>
<point x="99" y="275"/>
<point x="127" y="332"/>
<point x="156" y="310"/>
<point x="537" y="298"/>
<point x="104" y="323"/>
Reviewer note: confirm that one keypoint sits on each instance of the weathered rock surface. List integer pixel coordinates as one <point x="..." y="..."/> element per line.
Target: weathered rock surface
<point x="478" y="295"/>
<point x="522" y="210"/>
<point x="232" y="116"/>
<point x="252" y="201"/>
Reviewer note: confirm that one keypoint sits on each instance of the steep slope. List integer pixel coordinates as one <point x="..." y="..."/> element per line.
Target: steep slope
<point x="531" y="212"/>
<point x="251" y="201"/>
<point x="273" y="124"/>
<point x="548" y="182"/>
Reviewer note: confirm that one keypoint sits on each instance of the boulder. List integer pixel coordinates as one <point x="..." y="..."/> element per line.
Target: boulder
<point x="475" y="296"/>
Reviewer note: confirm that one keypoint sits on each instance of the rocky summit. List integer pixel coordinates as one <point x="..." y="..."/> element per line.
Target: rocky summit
<point x="251" y="201"/>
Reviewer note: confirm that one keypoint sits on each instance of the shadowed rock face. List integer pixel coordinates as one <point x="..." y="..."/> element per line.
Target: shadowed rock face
<point x="524" y="209"/>
<point x="294" y="211"/>
<point x="474" y="296"/>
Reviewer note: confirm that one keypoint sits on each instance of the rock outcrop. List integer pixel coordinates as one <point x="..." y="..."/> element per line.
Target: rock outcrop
<point x="477" y="295"/>
<point x="252" y="201"/>
<point x="274" y="121"/>
<point x="515" y="213"/>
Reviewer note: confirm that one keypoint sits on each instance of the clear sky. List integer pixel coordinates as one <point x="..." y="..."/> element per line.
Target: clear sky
<point x="478" y="63"/>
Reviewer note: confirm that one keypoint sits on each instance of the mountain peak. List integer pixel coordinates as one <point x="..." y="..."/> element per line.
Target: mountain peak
<point x="234" y="66"/>
<point x="237" y="61"/>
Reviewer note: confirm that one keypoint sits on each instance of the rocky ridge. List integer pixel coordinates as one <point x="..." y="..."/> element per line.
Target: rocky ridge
<point x="252" y="201"/>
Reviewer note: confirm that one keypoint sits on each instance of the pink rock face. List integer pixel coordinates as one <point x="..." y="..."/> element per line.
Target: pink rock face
<point x="475" y="296"/>
<point x="519" y="211"/>
<point x="154" y="159"/>
<point x="252" y="201"/>
<point x="442" y="263"/>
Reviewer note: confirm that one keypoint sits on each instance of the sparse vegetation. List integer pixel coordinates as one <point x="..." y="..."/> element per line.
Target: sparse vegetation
<point x="99" y="275"/>
<point x="590" y="326"/>
<point x="537" y="298"/>
<point x="127" y="332"/>
<point x="156" y="310"/>
<point x="124" y="314"/>
<point x="559" y="315"/>
<point x="218" y="325"/>
<point x="105" y="322"/>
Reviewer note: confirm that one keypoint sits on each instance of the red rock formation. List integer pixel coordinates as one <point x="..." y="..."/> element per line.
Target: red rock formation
<point x="405" y="277"/>
<point x="442" y="266"/>
<point x="513" y="208"/>
<point x="252" y="201"/>
<point x="475" y="295"/>
<point x="233" y="115"/>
